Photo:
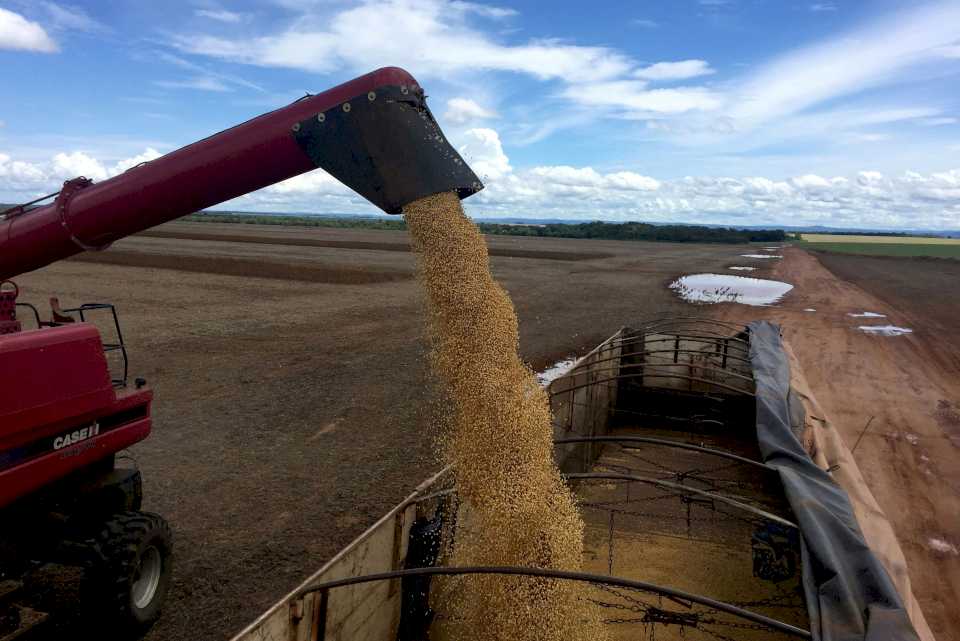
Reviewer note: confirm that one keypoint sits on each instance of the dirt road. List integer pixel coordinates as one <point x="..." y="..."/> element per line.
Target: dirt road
<point x="907" y="388"/>
<point x="292" y="404"/>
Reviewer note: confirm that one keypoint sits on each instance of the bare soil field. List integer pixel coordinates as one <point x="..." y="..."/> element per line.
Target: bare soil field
<point x="292" y="402"/>
<point x="899" y="396"/>
<point x="923" y="290"/>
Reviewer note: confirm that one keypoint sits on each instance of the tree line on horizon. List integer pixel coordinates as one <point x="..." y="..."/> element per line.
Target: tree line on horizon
<point x="632" y="230"/>
<point x="597" y="230"/>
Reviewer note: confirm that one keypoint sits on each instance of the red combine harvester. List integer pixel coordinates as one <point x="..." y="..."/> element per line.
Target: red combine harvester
<point x="64" y="416"/>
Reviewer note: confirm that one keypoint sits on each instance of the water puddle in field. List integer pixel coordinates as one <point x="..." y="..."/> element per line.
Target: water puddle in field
<point x="809" y="309"/>
<point x="942" y="546"/>
<point x="771" y="249"/>
<point x="885" y="330"/>
<point x="555" y="371"/>
<point x="867" y="315"/>
<point x="741" y="268"/>
<point x="761" y="256"/>
<point x="724" y="288"/>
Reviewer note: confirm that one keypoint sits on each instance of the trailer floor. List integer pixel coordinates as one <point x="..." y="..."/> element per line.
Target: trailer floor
<point x="645" y="533"/>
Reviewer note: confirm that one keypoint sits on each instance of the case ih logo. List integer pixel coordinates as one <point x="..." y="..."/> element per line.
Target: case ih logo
<point x="76" y="436"/>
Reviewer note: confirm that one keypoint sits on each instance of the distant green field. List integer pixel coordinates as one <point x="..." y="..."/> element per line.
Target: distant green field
<point x="883" y="240"/>
<point x="906" y="248"/>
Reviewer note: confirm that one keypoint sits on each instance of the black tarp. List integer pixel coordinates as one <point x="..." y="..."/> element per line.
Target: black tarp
<point x="849" y="594"/>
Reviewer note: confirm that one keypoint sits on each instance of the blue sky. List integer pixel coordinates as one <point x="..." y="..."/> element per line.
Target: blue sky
<point x="843" y="113"/>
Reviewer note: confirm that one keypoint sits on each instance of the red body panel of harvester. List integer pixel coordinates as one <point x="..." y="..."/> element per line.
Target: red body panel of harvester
<point x="59" y="410"/>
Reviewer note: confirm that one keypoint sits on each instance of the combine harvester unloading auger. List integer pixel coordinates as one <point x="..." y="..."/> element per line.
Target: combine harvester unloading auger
<point x="64" y="415"/>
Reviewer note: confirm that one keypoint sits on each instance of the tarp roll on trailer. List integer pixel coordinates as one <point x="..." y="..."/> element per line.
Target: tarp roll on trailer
<point x="849" y="594"/>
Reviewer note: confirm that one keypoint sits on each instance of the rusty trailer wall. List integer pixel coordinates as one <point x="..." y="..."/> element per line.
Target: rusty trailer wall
<point x="688" y="363"/>
<point x="687" y="356"/>
<point x="369" y="611"/>
<point x="582" y="402"/>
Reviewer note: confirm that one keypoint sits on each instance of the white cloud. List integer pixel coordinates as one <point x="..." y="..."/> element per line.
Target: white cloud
<point x="884" y="116"/>
<point x="440" y="39"/>
<point x="630" y="181"/>
<point x="18" y="176"/>
<point x="463" y="110"/>
<point x="484" y="10"/>
<point x="830" y="126"/>
<point x="871" y="200"/>
<point x="310" y="183"/>
<point x="821" y="7"/>
<point x="569" y="176"/>
<point x="633" y="96"/>
<point x="868" y="198"/>
<point x="908" y="201"/>
<point x="484" y="153"/>
<point x="220" y="15"/>
<point x="18" y="33"/>
<point x="129" y="163"/>
<point x="860" y="59"/>
<point x="680" y="70"/>
<point x="938" y="122"/>
<point x="646" y="24"/>
<point x="588" y="181"/>
<point x="207" y="73"/>
<point x="431" y="38"/>
<point x="73" y="18"/>
<point x="810" y="182"/>
<point x="200" y="83"/>
<point x="867" y="137"/>
<point x="75" y="164"/>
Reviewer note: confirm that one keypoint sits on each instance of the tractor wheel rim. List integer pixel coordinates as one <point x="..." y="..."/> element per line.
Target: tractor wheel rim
<point x="148" y="577"/>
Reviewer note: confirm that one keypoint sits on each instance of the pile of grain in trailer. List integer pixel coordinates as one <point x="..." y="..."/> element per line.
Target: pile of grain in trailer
<point x="514" y="508"/>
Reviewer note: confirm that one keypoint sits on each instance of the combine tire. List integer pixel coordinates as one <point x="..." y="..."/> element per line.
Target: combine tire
<point x="129" y="584"/>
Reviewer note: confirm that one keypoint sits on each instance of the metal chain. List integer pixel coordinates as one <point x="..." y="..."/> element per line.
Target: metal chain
<point x="775" y="601"/>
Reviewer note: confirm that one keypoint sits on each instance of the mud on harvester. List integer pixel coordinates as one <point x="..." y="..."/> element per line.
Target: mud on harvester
<point x="66" y="414"/>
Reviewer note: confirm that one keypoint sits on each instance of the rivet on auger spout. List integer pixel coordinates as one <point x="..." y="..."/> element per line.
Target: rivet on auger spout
<point x="388" y="148"/>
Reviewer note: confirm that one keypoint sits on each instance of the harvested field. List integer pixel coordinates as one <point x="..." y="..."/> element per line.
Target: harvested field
<point x="288" y="411"/>
<point x="902" y="250"/>
<point x="922" y="290"/>
<point x="904" y="389"/>
<point x="282" y="236"/>
<point x="245" y="267"/>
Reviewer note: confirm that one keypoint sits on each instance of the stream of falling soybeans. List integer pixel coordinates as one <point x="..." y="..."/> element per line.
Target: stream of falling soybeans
<point x="514" y="508"/>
